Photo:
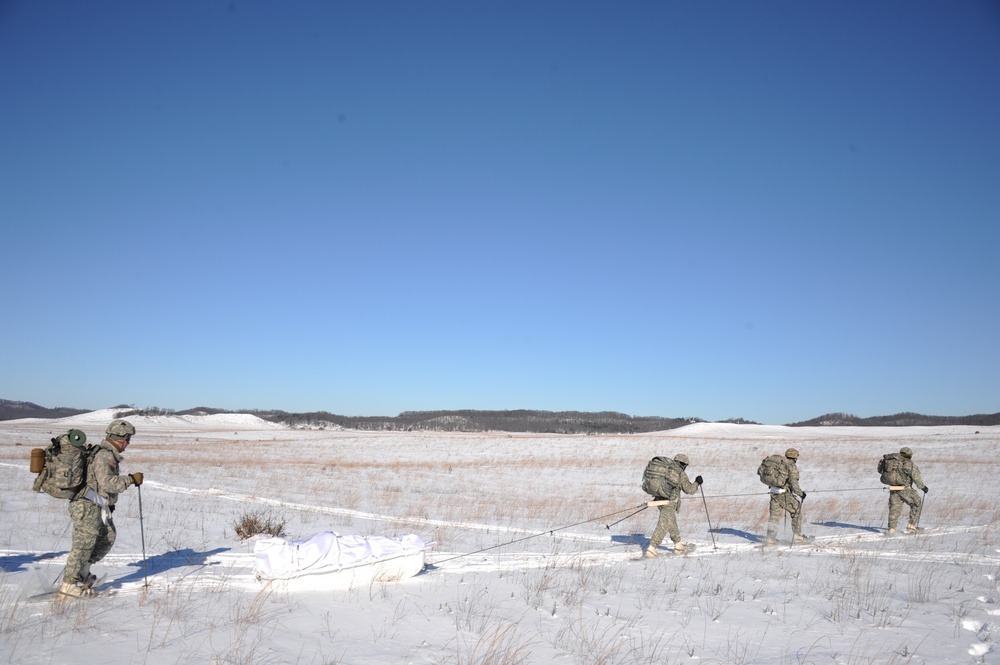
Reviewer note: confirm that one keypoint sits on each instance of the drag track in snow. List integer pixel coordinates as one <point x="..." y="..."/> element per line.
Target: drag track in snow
<point x="238" y="567"/>
<point x="375" y="517"/>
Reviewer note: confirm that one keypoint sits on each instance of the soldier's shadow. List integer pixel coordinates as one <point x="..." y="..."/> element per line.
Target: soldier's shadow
<point x="746" y="535"/>
<point x="634" y="539"/>
<point x="16" y="563"/>
<point x="160" y="563"/>
<point x="842" y="525"/>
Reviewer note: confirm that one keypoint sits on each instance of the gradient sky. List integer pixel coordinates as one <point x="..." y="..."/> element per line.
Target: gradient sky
<point x="766" y="210"/>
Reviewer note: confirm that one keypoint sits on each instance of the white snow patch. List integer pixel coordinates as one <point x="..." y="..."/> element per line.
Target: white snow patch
<point x="979" y="649"/>
<point x="972" y="624"/>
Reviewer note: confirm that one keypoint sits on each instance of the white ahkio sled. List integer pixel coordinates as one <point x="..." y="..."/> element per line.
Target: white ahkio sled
<point x="329" y="561"/>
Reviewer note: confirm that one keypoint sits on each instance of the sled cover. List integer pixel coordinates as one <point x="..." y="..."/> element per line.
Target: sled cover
<point x="276" y="558"/>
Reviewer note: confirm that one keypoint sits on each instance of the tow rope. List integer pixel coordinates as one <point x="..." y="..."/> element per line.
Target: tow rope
<point x="637" y="509"/>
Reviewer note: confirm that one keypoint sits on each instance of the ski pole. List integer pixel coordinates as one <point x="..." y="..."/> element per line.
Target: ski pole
<point x="802" y="501"/>
<point x="142" y="534"/>
<point x="923" y="505"/>
<point x="707" y="516"/>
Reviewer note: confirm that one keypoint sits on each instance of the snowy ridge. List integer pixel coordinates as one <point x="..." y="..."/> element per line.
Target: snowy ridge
<point x="213" y="422"/>
<point x="249" y="422"/>
<point x="783" y="432"/>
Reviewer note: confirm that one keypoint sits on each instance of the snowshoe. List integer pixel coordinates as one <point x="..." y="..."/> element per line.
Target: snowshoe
<point x="72" y="590"/>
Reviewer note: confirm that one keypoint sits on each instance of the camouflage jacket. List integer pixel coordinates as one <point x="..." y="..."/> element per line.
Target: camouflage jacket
<point x="793" y="479"/>
<point x="683" y="484"/>
<point x="102" y="473"/>
<point x="911" y="474"/>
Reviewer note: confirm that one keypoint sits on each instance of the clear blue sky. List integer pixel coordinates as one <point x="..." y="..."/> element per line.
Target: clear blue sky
<point x="767" y="210"/>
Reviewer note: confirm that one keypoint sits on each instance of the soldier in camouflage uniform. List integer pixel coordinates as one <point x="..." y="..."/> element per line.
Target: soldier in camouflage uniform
<point x="93" y="529"/>
<point x="668" y="512"/>
<point x="910" y="475"/>
<point x="787" y="499"/>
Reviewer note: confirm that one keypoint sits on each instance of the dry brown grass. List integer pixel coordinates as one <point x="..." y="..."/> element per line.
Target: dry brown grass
<point x="259" y="521"/>
<point x="474" y="479"/>
<point x="519" y="481"/>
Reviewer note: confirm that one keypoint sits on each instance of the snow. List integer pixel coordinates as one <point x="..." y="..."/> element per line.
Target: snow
<point x="529" y="565"/>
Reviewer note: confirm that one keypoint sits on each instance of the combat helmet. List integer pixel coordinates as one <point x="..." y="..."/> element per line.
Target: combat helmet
<point x="906" y="452"/>
<point x="682" y="459"/>
<point x="792" y="453"/>
<point x="120" y="429"/>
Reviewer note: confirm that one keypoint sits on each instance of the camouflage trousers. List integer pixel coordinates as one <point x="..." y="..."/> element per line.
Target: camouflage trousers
<point x="786" y="501"/>
<point x="92" y="539"/>
<point x="897" y="498"/>
<point x="666" y="524"/>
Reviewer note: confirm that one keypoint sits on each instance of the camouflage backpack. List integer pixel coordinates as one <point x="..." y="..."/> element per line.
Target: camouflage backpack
<point x="892" y="469"/>
<point x="661" y="477"/>
<point x="773" y="471"/>
<point x="65" y="469"/>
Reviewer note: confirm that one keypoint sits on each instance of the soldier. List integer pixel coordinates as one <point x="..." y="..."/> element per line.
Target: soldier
<point x="93" y="529"/>
<point x="668" y="512"/>
<point x="901" y="490"/>
<point x="787" y="497"/>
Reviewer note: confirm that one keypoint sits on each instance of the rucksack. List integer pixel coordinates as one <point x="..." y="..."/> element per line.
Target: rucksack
<point x="65" y="470"/>
<point x="661" y="477"/>
<point x="892" y="469"/>
<point x="773" y="471"/>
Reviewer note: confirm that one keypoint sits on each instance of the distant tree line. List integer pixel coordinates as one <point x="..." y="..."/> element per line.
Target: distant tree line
<point x="128" y="412"/>
<point x="519" y="420"/>
<point x="905" y="419"/>
<point x="11" y="410"/>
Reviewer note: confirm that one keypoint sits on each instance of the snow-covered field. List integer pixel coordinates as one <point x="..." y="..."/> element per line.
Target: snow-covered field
<point x="553" y="594"/>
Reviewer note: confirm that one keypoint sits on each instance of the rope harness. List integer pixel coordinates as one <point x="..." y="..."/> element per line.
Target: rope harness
<point x="635" y="511"/>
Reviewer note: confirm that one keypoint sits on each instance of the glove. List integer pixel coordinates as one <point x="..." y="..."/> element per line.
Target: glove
<point x="699" y="480"/>
<point x="136" y="478"/>
<point x="803" y="496"/>
<point x="925" y="489"/>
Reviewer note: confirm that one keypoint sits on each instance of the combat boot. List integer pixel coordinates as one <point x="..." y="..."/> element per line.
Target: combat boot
<point x="891" y="531"/>
<point x="649" y="553"/>
<point x="771" y="541"/>
<point x="680" y="548"/>
<point x="799" y="538"/>
<point x="86" y="579"/>
<point x="913" y="528"/>
<point x="73" y="590"/>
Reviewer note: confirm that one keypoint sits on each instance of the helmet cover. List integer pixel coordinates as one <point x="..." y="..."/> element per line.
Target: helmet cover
<point x="120" y="429"/>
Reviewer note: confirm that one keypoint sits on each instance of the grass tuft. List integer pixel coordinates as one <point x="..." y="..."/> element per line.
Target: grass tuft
<point x="259" y="521"/>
